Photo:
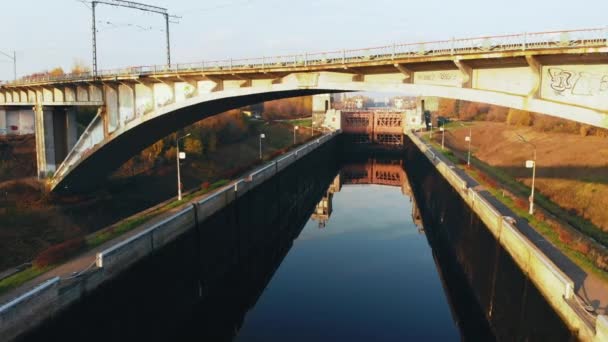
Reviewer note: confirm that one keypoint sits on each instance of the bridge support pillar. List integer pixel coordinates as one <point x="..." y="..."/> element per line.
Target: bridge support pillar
<point x="56" y="134"/>
<point x="3" y="125"/>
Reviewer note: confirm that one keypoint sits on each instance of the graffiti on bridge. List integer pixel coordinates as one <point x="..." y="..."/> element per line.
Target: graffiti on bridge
<point x="580" y="83"/>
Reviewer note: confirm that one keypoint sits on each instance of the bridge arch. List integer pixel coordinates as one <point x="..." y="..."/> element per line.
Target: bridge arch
<point x="91" y="162"/>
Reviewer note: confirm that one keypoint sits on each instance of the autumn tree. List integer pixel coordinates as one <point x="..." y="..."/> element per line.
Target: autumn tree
<point x="212" y="142"/>
<point x="518" y="117"/>
<point x="56" y="72"/>
<point x="80" y="67"/>
<point x="171" y="153"/>
<point x="446" y="107"/>
<point x="193" y="146"/>
<point x="151" y="153"/>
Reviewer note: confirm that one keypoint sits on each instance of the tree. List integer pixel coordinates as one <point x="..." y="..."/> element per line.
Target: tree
<point x="497" y="113"/>
<point x="446" y="107"/>
<point x="171" y="153"/>
<point x="80" y="67"/>
<point x="56" y="72"/>
<point x="193" y="146"/>
<point x="518" y="117"/>
<point x="212" y="142"/>
<point x="151" y="153"/>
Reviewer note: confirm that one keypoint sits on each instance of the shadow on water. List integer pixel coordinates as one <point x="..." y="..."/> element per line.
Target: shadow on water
<point x="469" y="257"/>
<point x="201" y="286"/>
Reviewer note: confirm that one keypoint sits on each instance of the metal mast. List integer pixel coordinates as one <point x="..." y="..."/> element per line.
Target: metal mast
<point x="135" y="5"/>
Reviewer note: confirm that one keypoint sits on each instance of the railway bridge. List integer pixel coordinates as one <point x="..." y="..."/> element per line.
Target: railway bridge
<point x="563" y="74"/>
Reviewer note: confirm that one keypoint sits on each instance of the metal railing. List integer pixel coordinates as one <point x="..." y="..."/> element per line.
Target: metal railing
<point x="596" y="37"/>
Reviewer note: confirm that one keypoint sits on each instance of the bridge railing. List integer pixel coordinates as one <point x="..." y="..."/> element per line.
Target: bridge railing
<point x="524" y="41"/>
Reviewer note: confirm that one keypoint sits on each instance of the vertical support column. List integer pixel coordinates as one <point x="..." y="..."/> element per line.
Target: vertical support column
<point x="3" y="126"/>
<point x="45" y="147"/>
<point x="72" y="128"/>
<point x="467" y="73"/>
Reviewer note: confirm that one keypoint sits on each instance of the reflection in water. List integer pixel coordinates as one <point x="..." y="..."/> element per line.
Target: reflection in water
<point x="262" y="270"/>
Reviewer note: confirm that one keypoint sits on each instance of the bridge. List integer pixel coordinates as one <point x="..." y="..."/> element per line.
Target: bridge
<point x="563" y="74"/>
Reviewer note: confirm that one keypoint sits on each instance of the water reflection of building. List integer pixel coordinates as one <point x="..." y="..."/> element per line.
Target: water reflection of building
<point x="374" y="171"/>
<point x="324" y="207"/>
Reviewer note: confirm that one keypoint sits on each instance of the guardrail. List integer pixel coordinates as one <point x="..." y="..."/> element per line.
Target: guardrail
<point x="525" y="41"/>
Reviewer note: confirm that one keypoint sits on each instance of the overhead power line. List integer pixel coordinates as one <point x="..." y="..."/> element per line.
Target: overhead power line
<point x="133" y="5"/>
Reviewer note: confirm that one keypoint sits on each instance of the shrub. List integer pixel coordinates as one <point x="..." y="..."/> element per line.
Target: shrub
<point x="497" y="114"/>
<point x="581" y="246"/>
<point x="564" y="236"/>
<point x="60" y="252"/>
<point x="521" y="203"/>
<point x="518" y="117"/>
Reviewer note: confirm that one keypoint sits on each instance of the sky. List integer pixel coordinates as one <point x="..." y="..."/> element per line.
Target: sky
<point x="57" y="33"/>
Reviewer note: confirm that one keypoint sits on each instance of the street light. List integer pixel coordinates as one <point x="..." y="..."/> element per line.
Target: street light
<point x="179" y="156"/>
<point x="262" y="136"/>
<point x="295" y="128"/>
<point x="468" y="138"/>
<point x="530" y="164"/>
<point x="442" y="137"/>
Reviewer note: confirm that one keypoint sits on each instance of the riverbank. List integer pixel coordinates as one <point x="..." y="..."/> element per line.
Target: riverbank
<point x="548" y="269"/>
<point x="58" y="288"/>
<point x="34" y="222"/>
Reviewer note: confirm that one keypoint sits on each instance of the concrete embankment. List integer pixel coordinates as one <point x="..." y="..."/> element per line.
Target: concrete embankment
<point x="55" y="295"/>
<point x="553" y="284"/>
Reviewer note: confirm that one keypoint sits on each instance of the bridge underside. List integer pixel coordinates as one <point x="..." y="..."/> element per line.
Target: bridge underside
<point x="94" y="168"/>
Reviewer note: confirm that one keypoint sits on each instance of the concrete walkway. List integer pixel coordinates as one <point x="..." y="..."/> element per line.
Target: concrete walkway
<point x="591" y="289"/>
<point x="86" y="261"/>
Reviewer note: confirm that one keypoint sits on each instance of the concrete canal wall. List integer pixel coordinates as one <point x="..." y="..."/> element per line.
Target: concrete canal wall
<point x="554" y="285"/>
<point x="45" y="300"/>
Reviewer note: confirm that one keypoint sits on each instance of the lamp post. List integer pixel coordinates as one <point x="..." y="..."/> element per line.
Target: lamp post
<point x="178" y="156"/>
<point x="468" y="139"/>
<point x="295" y="128"/>
<point x="442" y="137"/>
<point x="530" y="164"/>
<point x="262" y="136"/>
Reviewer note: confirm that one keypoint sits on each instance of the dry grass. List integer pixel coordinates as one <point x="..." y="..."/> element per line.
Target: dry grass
<point x="572" y="170"/>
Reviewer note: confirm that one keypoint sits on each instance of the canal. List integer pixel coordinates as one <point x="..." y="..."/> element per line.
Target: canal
<point x="338" y="247"/>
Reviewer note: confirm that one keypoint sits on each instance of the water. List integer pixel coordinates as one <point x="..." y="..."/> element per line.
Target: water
<point x="368" y="274"/>
<point x="327" y="250"/>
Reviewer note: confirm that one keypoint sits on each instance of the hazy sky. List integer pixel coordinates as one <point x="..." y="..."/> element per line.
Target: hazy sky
<point x="50" y="33"/>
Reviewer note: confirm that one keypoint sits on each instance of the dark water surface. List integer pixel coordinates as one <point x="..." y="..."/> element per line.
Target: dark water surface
<point x="327" y="250"/>
<point x="368" y="274"/>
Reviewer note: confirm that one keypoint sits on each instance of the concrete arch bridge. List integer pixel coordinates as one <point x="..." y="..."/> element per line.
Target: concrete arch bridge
<point x="563" y="74"/>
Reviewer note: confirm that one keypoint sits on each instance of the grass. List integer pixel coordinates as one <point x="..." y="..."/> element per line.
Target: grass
<point x="546" y="231"/>
<point x="307" y="122"/>
<point x="19" y="278"/>
<point x="520" y="189"/>
<point x="279" y="138"/>
<point x="540" y="226"/>
<point x="110" y="233"/>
